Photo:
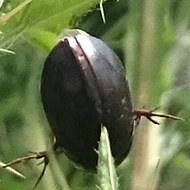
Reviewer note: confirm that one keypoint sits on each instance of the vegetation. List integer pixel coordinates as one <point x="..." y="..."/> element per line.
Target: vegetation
<point x="153" y="40"/>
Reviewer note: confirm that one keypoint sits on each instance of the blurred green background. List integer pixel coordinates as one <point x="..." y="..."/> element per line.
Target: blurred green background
<point x="151" y="37"/>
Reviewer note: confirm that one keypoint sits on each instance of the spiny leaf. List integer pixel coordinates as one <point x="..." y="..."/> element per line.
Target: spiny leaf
<point x="107" y="177"/>
<point x="39" y="18"/>
<point x="7" y="16"/>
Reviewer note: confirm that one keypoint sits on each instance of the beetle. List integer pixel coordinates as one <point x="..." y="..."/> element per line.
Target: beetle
<point x="83" y="87"/>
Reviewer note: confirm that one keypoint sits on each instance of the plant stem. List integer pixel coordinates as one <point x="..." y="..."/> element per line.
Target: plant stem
<point x="140" y="178"/>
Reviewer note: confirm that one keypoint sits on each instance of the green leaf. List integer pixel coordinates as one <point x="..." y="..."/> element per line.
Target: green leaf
<point x="107" y="177"/>
<point x="43" y="18"/>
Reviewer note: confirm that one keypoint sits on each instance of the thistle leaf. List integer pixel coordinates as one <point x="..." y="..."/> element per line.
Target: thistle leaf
<point x="107" y="177"/>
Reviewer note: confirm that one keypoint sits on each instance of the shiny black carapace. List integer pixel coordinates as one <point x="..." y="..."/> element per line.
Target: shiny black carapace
<point x="84" y="87"/>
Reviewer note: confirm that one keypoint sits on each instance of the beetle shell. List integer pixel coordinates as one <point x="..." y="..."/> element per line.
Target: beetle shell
<point x="83" y="87"/>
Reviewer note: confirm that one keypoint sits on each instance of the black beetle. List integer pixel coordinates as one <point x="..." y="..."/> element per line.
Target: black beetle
<point x="83" y="87"/>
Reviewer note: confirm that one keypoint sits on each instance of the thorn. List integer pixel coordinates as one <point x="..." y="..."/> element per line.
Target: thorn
<point x="12" y="170"/>
<point x="150" y="113"/>
<point x="46" y="161"/>
<point x="168" y="116"/>
<point x="40" y="163"/>
<point x="157" y="108"/>
<point x="35" y="155"/>
<point x="102" y="11"/>
<point x="153" y="121"/>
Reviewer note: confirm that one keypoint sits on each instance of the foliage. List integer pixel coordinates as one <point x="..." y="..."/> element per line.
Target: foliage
<point x="32" y="32"/>
<point x="107" y="176"/>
